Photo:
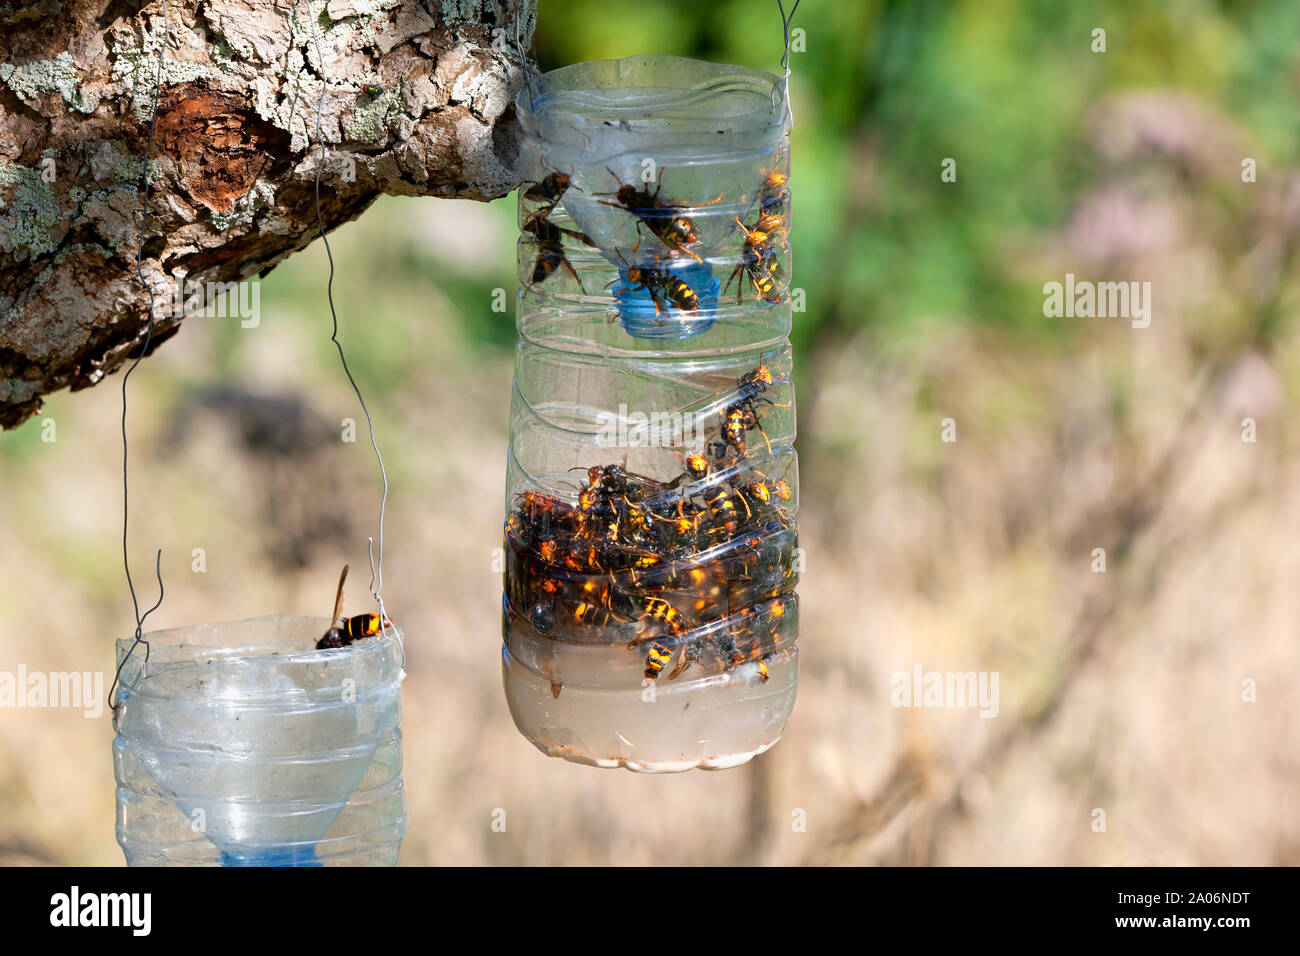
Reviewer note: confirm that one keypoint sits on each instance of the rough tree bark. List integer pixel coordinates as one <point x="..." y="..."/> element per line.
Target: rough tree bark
<point x="418" y="101"/>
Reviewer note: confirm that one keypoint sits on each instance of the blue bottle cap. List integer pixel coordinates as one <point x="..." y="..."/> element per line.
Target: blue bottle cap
<point x="643" y="318"/>
<point x="294" y="854"/>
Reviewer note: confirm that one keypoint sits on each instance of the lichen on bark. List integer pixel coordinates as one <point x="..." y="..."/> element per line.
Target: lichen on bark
<point x="417" y="101"/>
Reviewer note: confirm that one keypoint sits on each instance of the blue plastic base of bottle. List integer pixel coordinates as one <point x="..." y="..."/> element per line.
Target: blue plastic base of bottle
<point x="300" y="855"/>
<point x="643" y="318"/>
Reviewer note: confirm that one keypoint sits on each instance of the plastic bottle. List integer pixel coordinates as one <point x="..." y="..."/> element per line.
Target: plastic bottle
<point x="649" y="613"/>
<point x="240" y="744"/>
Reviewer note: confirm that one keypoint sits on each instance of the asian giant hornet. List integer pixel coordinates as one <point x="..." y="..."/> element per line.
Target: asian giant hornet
<point x="550" y="248"/>
<point x="743" y="414"/>
<point x="657" y="658"/>
<point x="336" y="636"/>
<point x="758" y="647"/>
<point x="751" y="386"/>
<point x="759" y="261"/>
<point x="774" y="194"/>
<point x="366" y="625"/>
<point x="341" y="632"/>
<point x="663" y="286"/>
<point x="695" y="468"/>
<point x="657" y="609"/>
<point x="603" y="604"/>
<point x="683" y="526"/>
<point x="544" y="511"/>
<point x="612" y="496"/>
<point x="737" y="419"/>
<point x="617" y="481"/>
<point x="722" y="508"/>
<point x="594" y="615"/>
<point x="662" y="218"/>
<point x="549" y="189"/>
<point x="766" y="490"/>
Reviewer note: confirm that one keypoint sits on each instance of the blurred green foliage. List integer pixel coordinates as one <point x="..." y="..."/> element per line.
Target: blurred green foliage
<point x="886" y="89"/>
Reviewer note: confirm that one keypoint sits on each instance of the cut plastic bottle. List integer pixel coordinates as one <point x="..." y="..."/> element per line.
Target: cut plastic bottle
<point x="649" y="610"/>
<point x="240" y="744"/>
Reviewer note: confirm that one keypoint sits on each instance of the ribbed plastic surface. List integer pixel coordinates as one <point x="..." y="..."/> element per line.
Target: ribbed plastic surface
<point x="649" y="612"/>
<point x="240" y="744"/>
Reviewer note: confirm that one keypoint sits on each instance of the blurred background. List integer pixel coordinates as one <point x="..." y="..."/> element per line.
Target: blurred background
<point x="1120" y="691"/>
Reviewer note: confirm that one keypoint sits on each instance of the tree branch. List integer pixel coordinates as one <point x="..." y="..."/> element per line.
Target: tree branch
<point x="418" y="101"/>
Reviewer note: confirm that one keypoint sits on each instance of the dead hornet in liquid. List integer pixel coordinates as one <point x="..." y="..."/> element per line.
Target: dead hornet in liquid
<point x="690" y="655"/>
<point x="658" y="655"/>
<point x="657" y="658"/>
<point x="545" y="513"/>
<point x="760" y="648"/>
<point x="341" y="632"/>
<point x="594" y="615"/>
<point x="675" y="231"/>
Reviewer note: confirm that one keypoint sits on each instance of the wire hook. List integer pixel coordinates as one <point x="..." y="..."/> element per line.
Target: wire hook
<point x="376" y="566"/>
<point x="785" y="26"/>
<point x="139" y="635"/>
<point x="144" y="349"/>
<point x="786" y="20"/>
<point x="519" y="48"/>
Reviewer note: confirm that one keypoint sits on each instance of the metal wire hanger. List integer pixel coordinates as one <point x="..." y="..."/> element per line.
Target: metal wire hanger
<point x="376" y="562"/>
<point x="524" y="64"/>
<point x="786" y="20"/>
<point x="144" y="349"/>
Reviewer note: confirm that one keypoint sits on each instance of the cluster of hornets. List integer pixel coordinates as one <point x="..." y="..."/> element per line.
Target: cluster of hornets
<point x="698" y="570"/>
<point x="761" y="246"/>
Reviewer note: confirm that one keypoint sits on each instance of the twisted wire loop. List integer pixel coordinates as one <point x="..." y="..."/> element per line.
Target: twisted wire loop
<point x="376" y="559"/>
<point x="144" y="349"/>
<point x="786" y="20"/>
<point x="524" y="64"/>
